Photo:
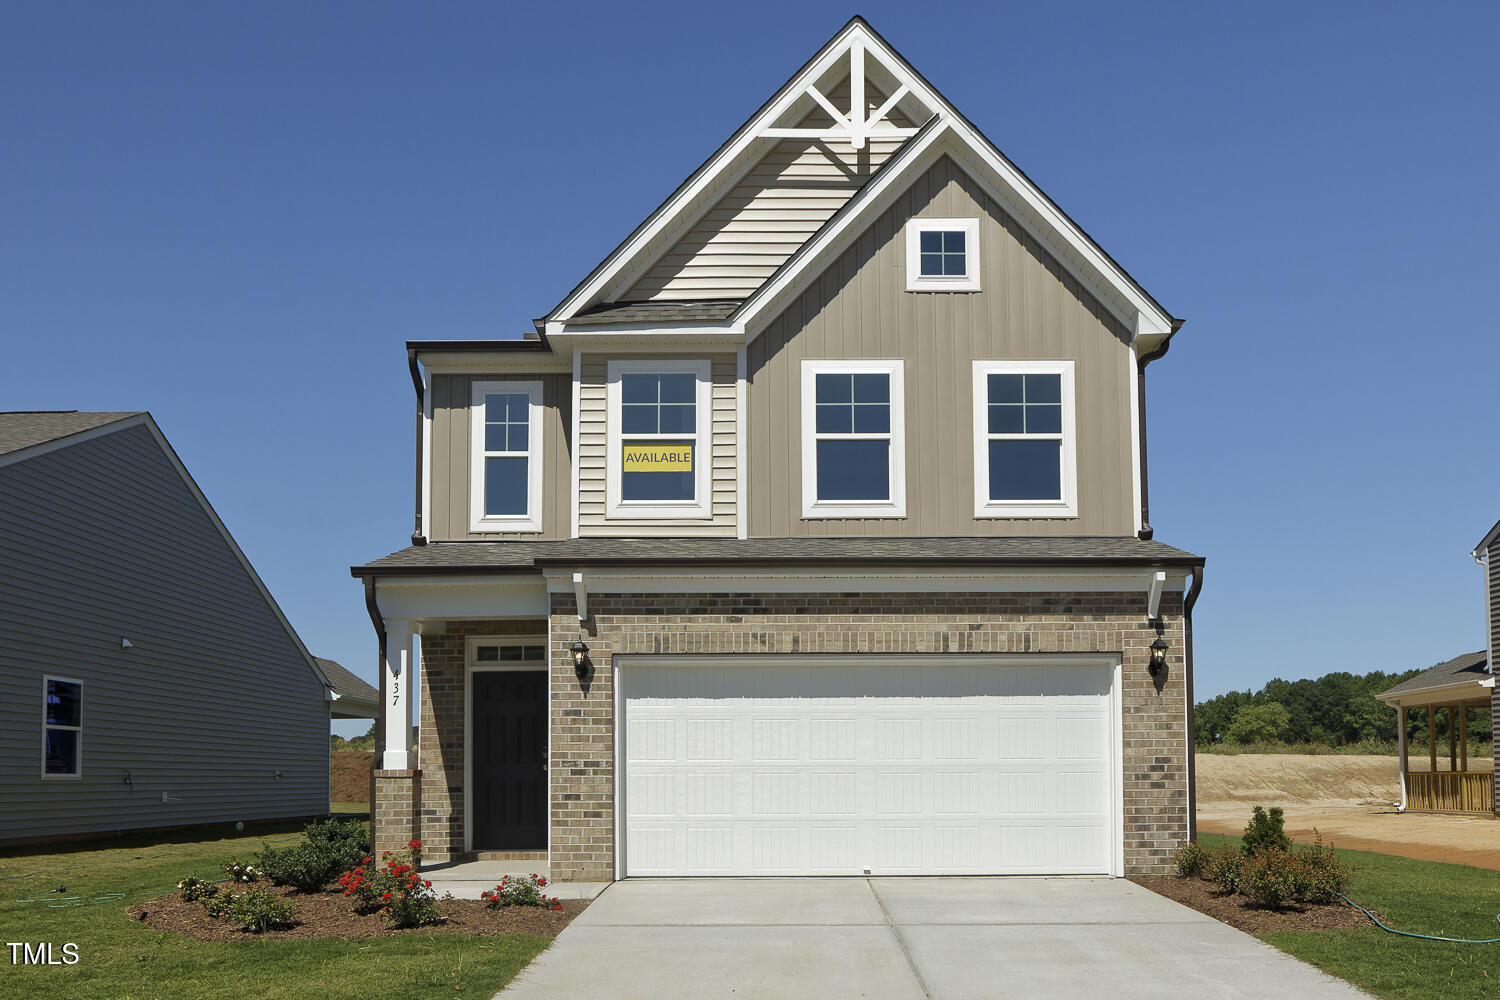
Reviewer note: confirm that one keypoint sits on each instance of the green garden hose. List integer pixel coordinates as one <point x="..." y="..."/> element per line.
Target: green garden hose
<point x="1424" y="937"/>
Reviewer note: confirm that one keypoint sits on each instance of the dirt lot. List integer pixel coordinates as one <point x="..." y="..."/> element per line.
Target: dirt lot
<point x="1348" y="799"/>
<point x="349" y="775"/>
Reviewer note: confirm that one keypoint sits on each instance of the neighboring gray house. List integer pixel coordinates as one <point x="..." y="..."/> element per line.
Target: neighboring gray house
<point x="147" y="678"/>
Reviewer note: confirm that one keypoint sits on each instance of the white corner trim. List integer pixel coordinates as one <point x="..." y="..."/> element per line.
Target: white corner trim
<point x="741" y="449"/>
<point x="573" y="441"/>
<point x="916" y="281"/>
<point x="479" y="521"/>
<point x="581" y="595"/>
<point x="426" y="452"/>
<point x="1067" y="504"/>
<point x="814" y="508"/>
<point x="1154" y="587"/>
<point x="616" y="507"/>
<point x="1135" y="440"/>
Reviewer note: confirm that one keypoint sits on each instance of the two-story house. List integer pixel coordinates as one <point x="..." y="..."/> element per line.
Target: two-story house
<point x="807" y="535"/>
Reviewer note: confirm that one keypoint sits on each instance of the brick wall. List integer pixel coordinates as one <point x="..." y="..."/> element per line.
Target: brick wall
<point x="582" y="723"/>
<point x="393" y="813"/>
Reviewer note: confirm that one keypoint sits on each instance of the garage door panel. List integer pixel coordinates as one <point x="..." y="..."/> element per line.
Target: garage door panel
<point x="776" y="768"/>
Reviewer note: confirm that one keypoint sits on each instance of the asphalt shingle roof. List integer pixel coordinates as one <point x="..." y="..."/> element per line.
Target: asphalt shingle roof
<point x="523" y="556"/>
<point x="23" y="429"/>
<point x="346" y="684"/>
<point x="1470" y="666"/>
<point x="699" y="311"/>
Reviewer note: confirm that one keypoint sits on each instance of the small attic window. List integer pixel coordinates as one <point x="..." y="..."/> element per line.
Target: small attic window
<point x="942" y="255"/>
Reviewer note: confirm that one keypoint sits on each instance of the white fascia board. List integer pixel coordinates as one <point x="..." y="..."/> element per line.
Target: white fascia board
<point x="445" y="598"/>
<point x="707" y="175"/>
<point x="1445" y="694"/>
<point x="1484" y="543"/>
<point x="669" y="337"/>
<point x="934" y="581"/>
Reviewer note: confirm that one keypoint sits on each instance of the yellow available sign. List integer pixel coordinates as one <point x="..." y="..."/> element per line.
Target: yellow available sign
<point x="658" y="458"/>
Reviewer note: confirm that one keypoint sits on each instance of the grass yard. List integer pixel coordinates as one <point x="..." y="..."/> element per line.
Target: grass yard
<point x="1425" y="897"/>
<point x="124" y="960"/>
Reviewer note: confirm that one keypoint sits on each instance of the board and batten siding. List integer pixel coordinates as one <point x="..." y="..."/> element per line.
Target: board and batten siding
<point x="102" y="541"/>
<point x="1028" y="308"/>
<point x="775" y="208"/>
<point x="452" y="463"/>
<point x="593" y="516"/>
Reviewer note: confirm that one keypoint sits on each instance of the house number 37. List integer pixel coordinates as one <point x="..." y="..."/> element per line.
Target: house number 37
<point x="395" y="690"/>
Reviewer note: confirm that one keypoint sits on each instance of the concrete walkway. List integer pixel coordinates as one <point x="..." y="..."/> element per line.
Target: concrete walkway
<point x="467" y="879"/>
<point x="907" y="938"/>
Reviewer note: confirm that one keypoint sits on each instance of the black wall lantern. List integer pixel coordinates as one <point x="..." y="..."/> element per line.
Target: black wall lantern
<point x="1158" y="657"/>
<point x="580" y="651"/>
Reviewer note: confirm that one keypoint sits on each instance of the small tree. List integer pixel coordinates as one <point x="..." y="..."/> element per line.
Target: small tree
<point x="1265" y="832"/>
<point x="1265" y="723"/>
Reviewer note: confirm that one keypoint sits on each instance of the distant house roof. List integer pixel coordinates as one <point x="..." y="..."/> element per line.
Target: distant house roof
<point x="666" y="311"/>
<point x="1448" y="681"/>
<point x="356" y="699"/>
<point x="25" y="428"/>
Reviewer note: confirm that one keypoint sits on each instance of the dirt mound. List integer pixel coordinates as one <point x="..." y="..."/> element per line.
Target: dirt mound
<point x="1283" y="779"/>
<point x="349" y="775"/>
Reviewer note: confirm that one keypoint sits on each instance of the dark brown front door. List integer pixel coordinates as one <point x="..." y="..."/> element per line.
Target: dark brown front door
<point x="509" y="768"/>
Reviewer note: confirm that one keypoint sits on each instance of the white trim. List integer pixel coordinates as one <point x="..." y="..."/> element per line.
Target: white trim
<point x="1153" y="594"/>
<point x="1067" y="504"/>
<point x="1135" y="439"/>
<point x="581" y="595"/>
<point x="573" y="442"/>
<point x="916" y="281"/>
<point x="832" y="581"/>
<point x="700" y="506"/>
<point x="812" y="506"/>
<point x="1117" y="735"/>
<point x="426" y="452"/>
<point x="78" y="760"/>
<point x="433" y="600"/>
<point x="1403" y="759"/>
<point x="471" y="667"/>
<point x="396" y="661"/>
<point x="741" y="446"/>
<point x="531" y="521"/>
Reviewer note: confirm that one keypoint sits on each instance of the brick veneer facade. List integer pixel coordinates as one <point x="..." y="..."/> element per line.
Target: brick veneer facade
<point x="393" y="814"/>
<point x="582" y="751"/>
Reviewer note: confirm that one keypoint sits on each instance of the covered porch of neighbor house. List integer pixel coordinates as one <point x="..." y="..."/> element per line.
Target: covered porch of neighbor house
<point x="1445" y="693"/>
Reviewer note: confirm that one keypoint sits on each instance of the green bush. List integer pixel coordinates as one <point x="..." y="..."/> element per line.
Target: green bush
<point x="1265" y="832"/>
<point x="261" y="909"/>
<point x="395" y="888"/>
<point x="1224" y="869"/>
<point x="327" y="848"/>
<point x="1271" y="878"/>
<point x="193" y="889"/>
<point x="346" y="841"/>
<point x="1320" y="877"/>
<point x="520" y="892"/>
<point x="218" y="903"/>
<point x="1191" y="861"/>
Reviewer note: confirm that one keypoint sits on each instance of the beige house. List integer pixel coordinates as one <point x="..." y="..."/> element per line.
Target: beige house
<point x="807" y="535"/>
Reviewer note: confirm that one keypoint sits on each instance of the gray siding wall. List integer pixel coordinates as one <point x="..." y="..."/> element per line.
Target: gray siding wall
<point x="1492" y="567"/>
<point x="1028" y="308"/>
<point x="449" y="506"/>
<point x="592" y="440"/>
<point x="102" y="541"/>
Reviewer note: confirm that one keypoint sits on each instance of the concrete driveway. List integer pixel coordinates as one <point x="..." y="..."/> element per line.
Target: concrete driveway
<point x="904" y="938"/>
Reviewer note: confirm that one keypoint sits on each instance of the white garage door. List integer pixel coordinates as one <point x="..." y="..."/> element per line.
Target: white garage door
<point x="841" y="766"/>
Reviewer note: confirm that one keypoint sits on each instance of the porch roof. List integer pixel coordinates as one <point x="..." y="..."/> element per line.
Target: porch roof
<point x="522" y="557"/>
<point x="1463" y="678"/>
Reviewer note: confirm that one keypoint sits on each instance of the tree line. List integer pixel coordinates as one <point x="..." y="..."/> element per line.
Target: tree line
<point x="1337" y="709"/>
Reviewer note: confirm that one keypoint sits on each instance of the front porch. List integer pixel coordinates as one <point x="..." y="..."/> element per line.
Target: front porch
<point x="1444" y="694"/>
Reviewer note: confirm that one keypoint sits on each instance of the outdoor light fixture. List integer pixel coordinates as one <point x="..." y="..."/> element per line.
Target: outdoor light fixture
<point x="1158" y="657"/>
<point x="580" y="657"/>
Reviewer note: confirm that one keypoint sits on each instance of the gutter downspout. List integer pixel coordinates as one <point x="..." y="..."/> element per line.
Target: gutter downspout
<point x="1140" y="395"/>
<point x="417" y="535"/>
<point x="1192" y="736"/>
<point x="374" y="611"/>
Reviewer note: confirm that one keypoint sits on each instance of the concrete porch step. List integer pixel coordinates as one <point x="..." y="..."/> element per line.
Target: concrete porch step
<point x="467" y="879"/>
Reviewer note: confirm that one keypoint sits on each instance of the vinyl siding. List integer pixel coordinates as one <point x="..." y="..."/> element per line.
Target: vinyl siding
<point x="101" y="541"/>
<point x="1028" y="308"/>
<point x="592" y="443"/>
<point x="451" y="465"/>
<point x="751" y="231"/>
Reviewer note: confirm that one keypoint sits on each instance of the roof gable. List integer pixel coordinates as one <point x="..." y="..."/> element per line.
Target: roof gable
<point x="23" y="429"/>
<point x="705" y="207"/>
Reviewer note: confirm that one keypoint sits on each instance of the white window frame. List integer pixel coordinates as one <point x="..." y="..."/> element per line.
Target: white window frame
<point x="916" y="281"/>
<point x="46" y="775"/>
<point x="812" y="507"/>
<point x="531" y="521"/>
<point x="701" y="504"/>
<point x="984" y="507"/>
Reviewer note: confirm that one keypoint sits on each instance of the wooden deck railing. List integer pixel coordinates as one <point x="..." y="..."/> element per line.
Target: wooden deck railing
<point x="1451" y="791"/>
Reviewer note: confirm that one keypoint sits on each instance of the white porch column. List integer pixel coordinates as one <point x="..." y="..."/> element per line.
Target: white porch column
<point x="396" y="707"/>
<point x="1401" y="722"/>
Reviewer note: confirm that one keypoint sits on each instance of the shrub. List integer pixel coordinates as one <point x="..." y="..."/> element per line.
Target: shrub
<point x="193" y="889"/>
<point x="395" y="887"/>
<point x="1320" y="877"/>
<point x="1224" y="868"/>
<point x="344" y="840"/>
<point x="261" y="909"/>
<point x="218" y="903"/>
<point x="1265" y="832"/>
<point x="327" y="848"/>
<point x="240" y="871"/>
<point x="1271" y="878"/>
<point x="1191" y="861"/>
<point x="520" y="892"/>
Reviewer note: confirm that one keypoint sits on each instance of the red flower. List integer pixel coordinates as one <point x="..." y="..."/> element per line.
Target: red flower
<point x="368" y="860"/>
<point x="558" y="906"/>
<point x="414" y="844"/>
<point x="386" y="896"/>
<point x="427" y="883"/>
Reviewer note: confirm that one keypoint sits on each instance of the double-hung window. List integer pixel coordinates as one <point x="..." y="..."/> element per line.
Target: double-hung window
<point x="62" y="728"/>
<point x="853" y="439"/>
<point x="505" y="491"/>
<point x="1024" y="439"/>
<point x="942" y="255"/>
<point x="658" y="439"/>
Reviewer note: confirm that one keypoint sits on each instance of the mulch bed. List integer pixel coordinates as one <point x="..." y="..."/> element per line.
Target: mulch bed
<point x="1238" y="911"/>
<point x="332" y="915"/>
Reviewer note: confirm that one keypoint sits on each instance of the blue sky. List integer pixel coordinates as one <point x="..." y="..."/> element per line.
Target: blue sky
<point x="234" y="215"/>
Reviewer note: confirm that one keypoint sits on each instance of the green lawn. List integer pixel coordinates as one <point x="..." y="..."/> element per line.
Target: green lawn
<point x="124" y="960"/>
<point x="1420" y="896"/>
<point x="350" y="808"/>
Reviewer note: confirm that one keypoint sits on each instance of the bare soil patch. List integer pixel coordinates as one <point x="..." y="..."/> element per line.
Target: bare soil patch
<point x="332" y="915"/>
<point x="349" y="775"/>
<point x="1237" y="911"/>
